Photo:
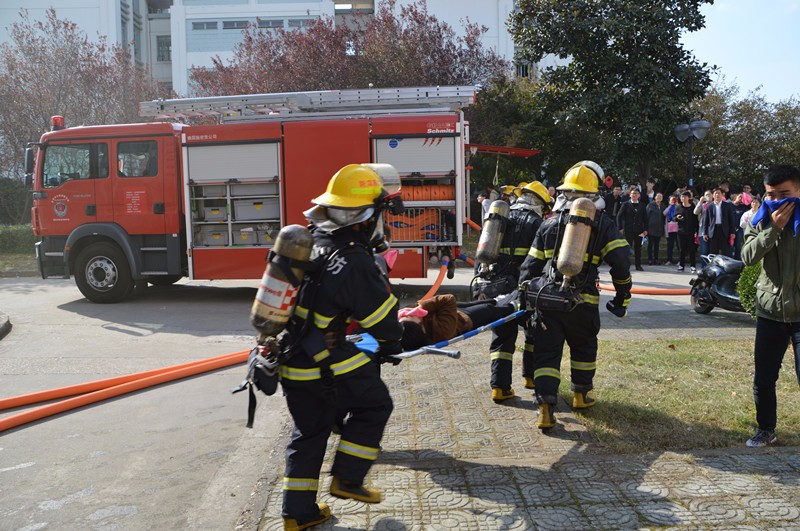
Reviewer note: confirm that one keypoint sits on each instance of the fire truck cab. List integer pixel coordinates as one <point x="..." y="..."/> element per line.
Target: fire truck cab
<point x="117" y="205"/>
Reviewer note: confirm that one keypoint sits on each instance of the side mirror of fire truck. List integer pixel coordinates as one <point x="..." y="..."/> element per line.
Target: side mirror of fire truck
<point x="28" y="167"/>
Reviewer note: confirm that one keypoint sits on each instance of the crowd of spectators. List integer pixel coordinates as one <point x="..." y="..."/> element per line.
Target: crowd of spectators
<point x="680" y="222"/>
<point x="690" y="225"/>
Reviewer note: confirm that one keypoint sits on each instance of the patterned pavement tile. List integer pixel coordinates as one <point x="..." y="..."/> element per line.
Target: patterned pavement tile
<point x="668" y="467"/>
<point x="493" y="496"/>
<point x="439" y="498"/>
<point x="489" y="475"/>
<point x="532" y="473"/>
<point x="644" y="489"/>
<point x="592" y="491"/>
<point x="769" y="508"/>
<point x="440" y="477"/>
<point x="559" y="518"/>
<point x="733" y="483"/>
<point x="387" y="522"/>
<point x="466" y="426"/>
<point x="551" y="492"/>
<point x="611" y="516"/>
<point x="390" y="477"/>
<point x="583" y="471"/>
<point x="666" y="513"/>
<point x="693" y="487"/>
<point x="718" y="511"/>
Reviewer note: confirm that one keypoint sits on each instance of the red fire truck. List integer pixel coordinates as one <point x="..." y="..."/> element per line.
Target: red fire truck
<point x="154" y="202"/>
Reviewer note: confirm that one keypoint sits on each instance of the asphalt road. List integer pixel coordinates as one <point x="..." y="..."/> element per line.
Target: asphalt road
<point x="177" y="456"/>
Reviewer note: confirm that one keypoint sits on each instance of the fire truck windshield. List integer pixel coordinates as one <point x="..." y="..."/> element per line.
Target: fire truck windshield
<point x="63" y="163"/>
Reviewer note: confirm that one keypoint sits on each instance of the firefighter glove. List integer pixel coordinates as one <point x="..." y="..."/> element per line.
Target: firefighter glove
<point x="386" y="352"/>
<point x="522" y="295"/>
<point x="616" y="308"/>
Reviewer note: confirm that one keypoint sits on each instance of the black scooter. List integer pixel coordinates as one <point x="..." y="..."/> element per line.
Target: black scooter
<point x="715" y="285"/>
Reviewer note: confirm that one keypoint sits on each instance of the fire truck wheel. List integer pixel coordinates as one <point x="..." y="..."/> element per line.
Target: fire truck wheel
<point x="164" y="281"/>
<point x="102" y="273"/>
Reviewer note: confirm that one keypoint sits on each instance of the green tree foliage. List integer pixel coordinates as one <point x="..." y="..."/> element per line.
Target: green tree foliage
<point x="511" y="113"/>
<point x="385" y="50"/>
<point x="15" y="202"/>
<point x="748" y="135"/>
<point x="746" y="287"/>
<point x="50" y="68"/>
<point x="628" y="75"/>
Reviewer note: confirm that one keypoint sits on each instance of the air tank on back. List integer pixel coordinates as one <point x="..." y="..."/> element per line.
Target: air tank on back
<point x="277" y="294"/>
<point x="492" y="232"/>
<point x="576" y="238"/>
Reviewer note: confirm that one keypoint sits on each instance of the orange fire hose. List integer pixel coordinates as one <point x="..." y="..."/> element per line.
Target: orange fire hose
<point x="474" y="225"/>
<point x="103" y="394"/>
<point x="650" y="291"/>
<point x="88" y="387"/>
<point x="439" y="279"/>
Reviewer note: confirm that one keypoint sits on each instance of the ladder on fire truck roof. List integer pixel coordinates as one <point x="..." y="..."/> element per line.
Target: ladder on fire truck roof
<point x="259" y="107"/>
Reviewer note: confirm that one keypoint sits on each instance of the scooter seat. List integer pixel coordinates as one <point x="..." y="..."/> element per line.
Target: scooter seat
<point x="729" y="265"/>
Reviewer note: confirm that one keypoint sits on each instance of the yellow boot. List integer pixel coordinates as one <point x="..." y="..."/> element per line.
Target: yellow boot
<point x="293" y="524"/>
<point x="582" y="400"/>
<point x="498" y="394"/>
<point x="547" y="419"/>
<point x="529" y="384"/>
<point x="344" y="489"/>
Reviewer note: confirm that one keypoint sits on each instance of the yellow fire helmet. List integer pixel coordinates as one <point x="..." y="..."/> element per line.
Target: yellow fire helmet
<point x="354" y="186"/>
<point x="584" y="176"/>
<point x="507" y="189"/>
<point x="518" y="189"/>
<point x="538" y="189"/>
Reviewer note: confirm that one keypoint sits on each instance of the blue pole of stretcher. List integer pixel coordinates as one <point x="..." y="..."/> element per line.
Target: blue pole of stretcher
<point x="368" y="343"/>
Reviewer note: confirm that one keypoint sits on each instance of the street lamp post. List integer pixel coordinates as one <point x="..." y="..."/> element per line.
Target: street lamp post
<point x="691" y="131"/>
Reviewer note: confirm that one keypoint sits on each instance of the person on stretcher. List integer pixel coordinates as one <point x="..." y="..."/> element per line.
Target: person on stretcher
<point x="441" y="318"/>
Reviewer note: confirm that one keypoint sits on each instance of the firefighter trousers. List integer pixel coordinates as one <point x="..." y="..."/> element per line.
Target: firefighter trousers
<point x="578" y="329"/>
<point x="501" y="352"/>
<point x="365" y="397"/>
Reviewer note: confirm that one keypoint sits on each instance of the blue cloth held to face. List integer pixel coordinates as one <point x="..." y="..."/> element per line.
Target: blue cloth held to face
<point x="768" y="207"/>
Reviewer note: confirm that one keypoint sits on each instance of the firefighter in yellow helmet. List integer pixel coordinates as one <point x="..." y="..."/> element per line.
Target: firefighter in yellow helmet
<point x="578" y="327"/>
<point x="502" y="278"/>
<point x="327" y="375"/>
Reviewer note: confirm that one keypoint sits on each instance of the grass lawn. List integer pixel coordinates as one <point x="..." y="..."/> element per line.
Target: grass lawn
<point x="12" y="264"/>
<point x="684" y="394"/>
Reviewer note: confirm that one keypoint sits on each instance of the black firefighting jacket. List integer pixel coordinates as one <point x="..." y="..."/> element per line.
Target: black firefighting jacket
<point x="604" y="245"/>
<point x="348" y="286"/>
<point x="517" y="240"/>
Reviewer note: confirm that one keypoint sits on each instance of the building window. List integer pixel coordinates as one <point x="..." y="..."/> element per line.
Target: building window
<point x="199" y="26"/>
<point x="234" y="24"/>
<point x="163" y="48"/>
<point x="522" y="70"/>
<point x="270" y="24"/>
<point x="296" y="23"/>
<point x="137" y="44"/>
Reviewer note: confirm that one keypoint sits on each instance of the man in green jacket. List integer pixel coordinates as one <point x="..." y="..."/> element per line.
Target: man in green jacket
<point x="774" y="240"/>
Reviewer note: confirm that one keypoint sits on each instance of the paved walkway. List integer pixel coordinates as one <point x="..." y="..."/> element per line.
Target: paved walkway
<point x="452" y="459"/>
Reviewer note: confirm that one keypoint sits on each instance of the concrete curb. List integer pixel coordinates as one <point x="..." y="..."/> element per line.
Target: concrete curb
<point x="5" y="325"/>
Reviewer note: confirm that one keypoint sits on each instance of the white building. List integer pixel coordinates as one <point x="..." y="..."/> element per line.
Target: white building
<point x="172" y="36"/>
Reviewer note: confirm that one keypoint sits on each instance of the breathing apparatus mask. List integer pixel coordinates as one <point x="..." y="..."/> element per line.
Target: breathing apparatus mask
<point x="359" y="193"/>
<point x="389" y="200"/>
